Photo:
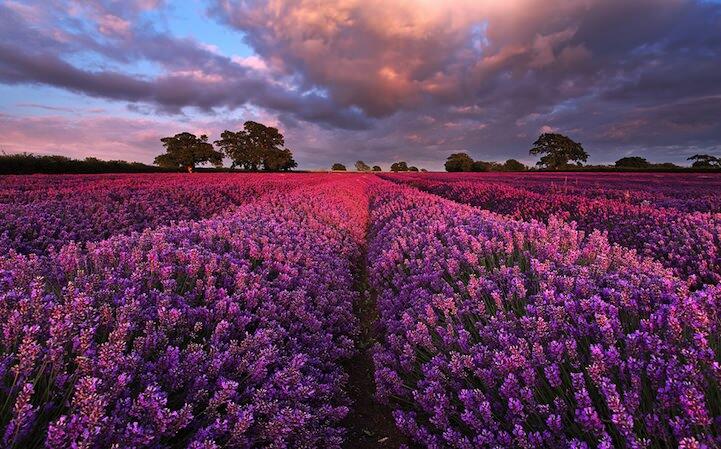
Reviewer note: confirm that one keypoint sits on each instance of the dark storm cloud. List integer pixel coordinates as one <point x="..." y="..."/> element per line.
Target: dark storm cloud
<point x="585" y="68"/>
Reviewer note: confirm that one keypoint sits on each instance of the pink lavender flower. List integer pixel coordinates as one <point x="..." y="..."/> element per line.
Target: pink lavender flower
<point x="208" y="333"/>
<point x="570" y="341"/>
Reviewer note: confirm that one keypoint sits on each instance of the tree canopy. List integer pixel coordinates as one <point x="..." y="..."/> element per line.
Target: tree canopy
<point x="27" y="163"/>
<point x="480" y="166"/>
<point x="338" y="167"/>
<point x="462" y="162"/>
<point x="362" y="166"/>
<point x="633" y="162"/>
<point x="186" y="150"/>
<point x="558" y="150"/>
<point x="458" y="162"/>
<point x="705" y="161"/>
<point x="256" y="146"/>
<point x="399" y="166"/>
<point x="376" y="168"/>
<point x="514" y="165"/>
<point x="279" y="160"/>
<point x="237" y="146"/>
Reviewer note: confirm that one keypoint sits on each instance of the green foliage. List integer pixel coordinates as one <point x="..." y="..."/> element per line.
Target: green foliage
<point x="399" y="166"/>
<point x="633" y="162"/>
<point x="28" y="163"/>
<point x="362" y="166"/>
<point x="186" y="150"/>
<point x="413" y="168"/>
<point x="338" y="167"/>
<point x="459" y="162"/>
<point x="514" y="165"/>
<point x="558" y="150"/>
<point x="705" y="161"/>
<point x="462" y="162"/>
<point x="480" y="166"/>
<point x="256" y="146"/>
<point x="376" y="168"/>
<point x="279" y="160"/>
<point x="240" y="149"/>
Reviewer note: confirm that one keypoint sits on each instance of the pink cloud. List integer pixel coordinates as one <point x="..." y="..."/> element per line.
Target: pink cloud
<point x="111" y="25"/>
<point x="384" y="56"/>
<point x="113" y="138"/>
<point x="109" y="137"/>
<point x="254" y="62"/>
<point x="197" y="75"/>
<point x="28" y="12"/>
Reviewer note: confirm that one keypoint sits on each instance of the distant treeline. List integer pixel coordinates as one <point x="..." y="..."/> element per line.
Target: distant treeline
<point x="660" y="168"/>
<point x="28" y="163"/>
<point x="561" y="153"/>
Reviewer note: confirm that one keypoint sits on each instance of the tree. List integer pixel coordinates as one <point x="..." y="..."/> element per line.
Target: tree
<point x="633" y="162"/>
<point x="376" y="168"/>
<point x="279" y="160"/>
<point x="362" y="166"/>
<point x="559" y="150"/>
<point x="255" y="146"/>
<point x="28" y="163"/>
<point x="399" y="166"/>
<point x="338" y="167"/>
<point x="413" y="168"/>
<point x="237" y="146"/>
<point x="514" y="165"/>
<point x="185" y="150"/>
<point x="480" y="166"/>
<point x="458" y="162"/>
<point x="705" y="161"/>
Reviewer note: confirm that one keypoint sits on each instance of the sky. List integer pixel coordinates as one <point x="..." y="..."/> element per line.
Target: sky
<point x="377" y="80"/>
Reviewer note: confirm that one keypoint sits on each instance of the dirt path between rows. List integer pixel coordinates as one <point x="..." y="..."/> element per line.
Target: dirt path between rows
<point x="369" y="423"/>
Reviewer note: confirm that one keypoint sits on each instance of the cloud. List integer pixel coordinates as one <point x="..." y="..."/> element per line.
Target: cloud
<point x="103" y="136"/>
<point x="506" y="58"/>
<point x="411" y="79"/>
<point x="111" y="25"/>
<point x="253" y="62"/>
<point x="192" y="74"/>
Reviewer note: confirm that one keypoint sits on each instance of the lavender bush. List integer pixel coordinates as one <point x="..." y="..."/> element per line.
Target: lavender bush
<point x="49" y="211"/>
<point x="687" y="192"/>
<point x="510" y="334"/>
<point x="216" y="311"/>
<point x="689" y="243"/>
<point x="226" y="332"/>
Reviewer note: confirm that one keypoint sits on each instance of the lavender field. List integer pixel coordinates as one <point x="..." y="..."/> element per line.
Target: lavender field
<point x="490" y="310"/>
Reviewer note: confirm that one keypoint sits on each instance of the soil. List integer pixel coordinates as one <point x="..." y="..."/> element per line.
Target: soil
<point x="370" y="424"/>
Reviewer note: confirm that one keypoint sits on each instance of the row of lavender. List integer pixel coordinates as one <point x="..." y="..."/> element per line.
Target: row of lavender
<point x="226" y="332"/>
<point x="42" y="213"/>
<point x="689" y="243"/>
<point x="687" y="192"/>
<point x="501" y="333"/>
<point x="26" y="189"/>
